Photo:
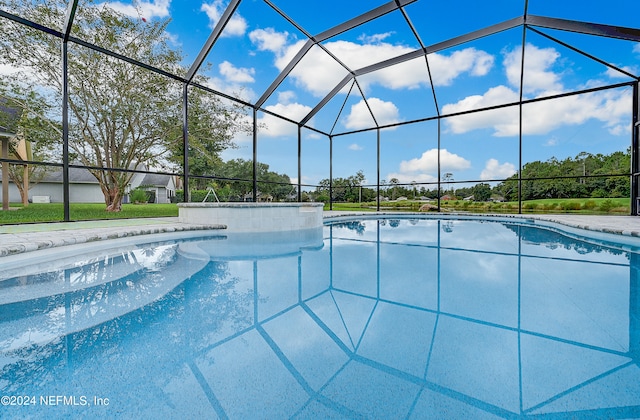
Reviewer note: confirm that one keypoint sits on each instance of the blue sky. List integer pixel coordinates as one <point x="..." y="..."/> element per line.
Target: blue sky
<point x="258" y="43"/>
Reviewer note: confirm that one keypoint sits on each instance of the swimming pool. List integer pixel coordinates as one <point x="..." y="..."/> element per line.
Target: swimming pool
<point x="364" y="318"/>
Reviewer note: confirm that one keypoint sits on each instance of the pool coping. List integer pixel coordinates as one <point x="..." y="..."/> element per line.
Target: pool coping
<point x="18" y="239"/>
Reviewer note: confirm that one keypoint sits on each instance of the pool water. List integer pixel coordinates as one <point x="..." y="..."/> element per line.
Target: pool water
<point x="369" y="318"/>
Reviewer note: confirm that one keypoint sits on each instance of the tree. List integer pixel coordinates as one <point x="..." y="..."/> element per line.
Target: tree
<point x="210" y="133"/>
<point x="394" y="182"/>
<point x="584" y="176"/>
<point x="448" y="177"/>
<point x="481" y="192"/>
<point x="344" y="189"/>
<point x="121" y="115"/>
<point x="239" y="180"/>
<point x="24" y="112"/>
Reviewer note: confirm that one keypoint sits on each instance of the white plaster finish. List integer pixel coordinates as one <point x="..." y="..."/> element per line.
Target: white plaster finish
<point x="253" y="217"/>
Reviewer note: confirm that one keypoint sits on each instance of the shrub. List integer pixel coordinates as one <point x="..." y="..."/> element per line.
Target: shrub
<point x="570" y="205"/>
<point x="179" y="197"/>
<point x="198" y="195"/>
<point x="606" y="205"/>
<point x="138" y="196"/>
<point x="589" y="205"/>
<point x="621" y="210"/>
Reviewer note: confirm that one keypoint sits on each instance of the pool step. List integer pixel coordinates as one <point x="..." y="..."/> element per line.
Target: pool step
<point x="56" y="308"/>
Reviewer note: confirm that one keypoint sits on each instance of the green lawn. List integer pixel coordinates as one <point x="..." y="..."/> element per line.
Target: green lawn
<point x="617" y="206"/>
<point x="54" y="212"/>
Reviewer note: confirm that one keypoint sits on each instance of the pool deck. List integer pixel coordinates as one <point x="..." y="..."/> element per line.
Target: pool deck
<point x="17" y="239"/>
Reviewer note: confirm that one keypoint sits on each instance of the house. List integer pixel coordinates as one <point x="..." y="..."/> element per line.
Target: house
<point x="248" y="197"/>
<point x="84" y="187"/>
<point x="162" y="187"/>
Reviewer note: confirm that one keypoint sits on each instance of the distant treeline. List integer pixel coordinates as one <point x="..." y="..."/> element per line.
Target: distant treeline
<point x="586" y="175"/>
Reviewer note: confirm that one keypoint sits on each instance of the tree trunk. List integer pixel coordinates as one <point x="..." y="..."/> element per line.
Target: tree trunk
<point x="25" y="185"/>
<point x="114" y="200"/>
<point x="20" y="178"/>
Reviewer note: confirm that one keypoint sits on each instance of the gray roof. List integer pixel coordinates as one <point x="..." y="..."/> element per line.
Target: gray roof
<point x="4" y="132"/>
<point x="76" y="175"/>
<point x="83" y="176"/>
<point x="156" y="180"/>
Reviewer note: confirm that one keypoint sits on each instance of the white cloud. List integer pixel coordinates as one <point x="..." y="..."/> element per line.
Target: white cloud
<point x="552" y="141"/>
<point x="286" y="97"/>
<point x="425" y="168"/>
<point x="503" y="121"/>
<point x="355" y="147"/>
<point x="360" y="117"/>
<point x="610" y="107"/>
<point x="318" y="72"/>
<point x="619" y="130"/>
<point x="428" y="162"/>
<point x="375" y="38"/>
<point x="445" y="69"/>
<point x="409" y="178"/>
<point x="358" y="55"/>
<point x="269" y="40"/>
<point x="494" y="96"/>
<point x="414" y="75"/>
<point x="274" y="126"/>
<point x="235" y="74"/>
<point x="495" y="170"/>
<point x="636" y="48"/>
<point x="614" y="74"/>
<point x="142" y="9"/>
<point x="277" y="127"/>
<point x="237" y="25"/>
<point x="538" y="75"/>
<point x="239" y="90"/>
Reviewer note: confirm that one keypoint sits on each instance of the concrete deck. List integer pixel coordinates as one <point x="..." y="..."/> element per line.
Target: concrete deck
<point x="17" y="239"/>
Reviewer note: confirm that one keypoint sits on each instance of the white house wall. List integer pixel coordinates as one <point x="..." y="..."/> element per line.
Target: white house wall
<point x="85" y="192"/>
<point x="14" y="194"/>
<point x="78" y="193"/>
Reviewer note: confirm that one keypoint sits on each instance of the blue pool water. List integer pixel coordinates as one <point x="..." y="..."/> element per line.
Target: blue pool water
<point x="369" y="318"/>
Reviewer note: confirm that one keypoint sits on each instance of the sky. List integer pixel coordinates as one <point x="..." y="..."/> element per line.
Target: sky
<point x="258" y="43"/>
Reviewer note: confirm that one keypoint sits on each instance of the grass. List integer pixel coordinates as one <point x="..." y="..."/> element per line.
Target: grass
<point x="54" y="212"/>
<point x="616" y="206"/>
<point x="351" y="206"/>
